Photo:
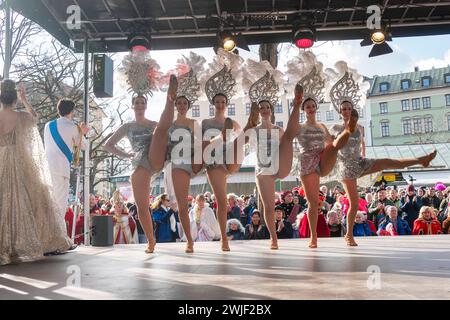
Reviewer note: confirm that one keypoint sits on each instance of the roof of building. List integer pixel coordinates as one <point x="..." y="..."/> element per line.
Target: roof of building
<point x="437" y="76"/>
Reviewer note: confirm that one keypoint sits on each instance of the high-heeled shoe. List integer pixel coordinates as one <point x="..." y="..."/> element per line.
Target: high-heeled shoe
<point x="273" y="245"/>
<point x="350" y="241"/>
<point x="312" y="244"/>
<point x="225" y="246"/>
<point x="425" y="161"/>
<point x="189" y="248"/>
<point x="151" y="247"/>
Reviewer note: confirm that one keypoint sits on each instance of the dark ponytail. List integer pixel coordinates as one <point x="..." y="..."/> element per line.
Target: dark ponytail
<point x="8" y="92"/>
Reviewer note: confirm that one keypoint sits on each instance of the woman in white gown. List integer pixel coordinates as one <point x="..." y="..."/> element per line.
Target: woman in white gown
<point x="204" y="225"/>
<point x="29" y="222"/>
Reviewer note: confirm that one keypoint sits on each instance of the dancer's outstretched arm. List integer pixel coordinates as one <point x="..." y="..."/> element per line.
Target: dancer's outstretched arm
<point x="158" y="148"/>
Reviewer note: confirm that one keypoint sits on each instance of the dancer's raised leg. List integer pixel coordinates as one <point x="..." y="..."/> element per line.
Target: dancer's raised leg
<point x="158" y="148"/>
<point x="181" y="180"/>
<point x="140" y="183"/>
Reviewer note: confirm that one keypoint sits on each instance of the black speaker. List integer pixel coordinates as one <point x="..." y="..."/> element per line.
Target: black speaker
<point x="103" y="76"/>
<point x="102" y="231"/>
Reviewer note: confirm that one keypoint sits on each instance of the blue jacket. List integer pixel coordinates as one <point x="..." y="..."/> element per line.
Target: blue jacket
<point x="362" y="229"/>
<point x="161" y="219"/>
<point x="402" y="227"/>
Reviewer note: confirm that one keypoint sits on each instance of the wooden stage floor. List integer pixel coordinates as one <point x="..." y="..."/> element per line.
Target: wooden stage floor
<point x="410" y="267"/>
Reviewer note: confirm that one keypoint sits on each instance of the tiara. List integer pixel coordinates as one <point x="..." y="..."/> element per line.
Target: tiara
<point x="188" y="87"/>
<point x="313" y="85"/>
<point x="345" y="89"/>
<point x="141" y="73"/>
<point x="221" y="82"/>
<point x="265" y="88"/>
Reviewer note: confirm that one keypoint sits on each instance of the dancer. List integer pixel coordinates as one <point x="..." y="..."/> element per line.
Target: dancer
<point x="30" y="220"/>
<point x="351" y="162"/>
<point x="60" y="137"/>
<point x="182" y="167"/>
<point x="318" y="151"/>
<point x="263" y="94"/>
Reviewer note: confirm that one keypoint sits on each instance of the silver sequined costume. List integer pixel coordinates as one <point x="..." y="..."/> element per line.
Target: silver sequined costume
<point x="265" y="143"/>
<point x="215" y="128"/>
<point x="140" y="138"/>
<point x="312" y="143"/>
<point x="186" y="131"/>
<point x="350" y="165"/>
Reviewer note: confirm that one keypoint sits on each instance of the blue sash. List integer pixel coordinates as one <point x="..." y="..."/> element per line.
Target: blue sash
<point x="59" y="141"/>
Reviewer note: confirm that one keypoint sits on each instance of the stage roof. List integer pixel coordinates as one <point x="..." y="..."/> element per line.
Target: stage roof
<point x="176" y="24"/>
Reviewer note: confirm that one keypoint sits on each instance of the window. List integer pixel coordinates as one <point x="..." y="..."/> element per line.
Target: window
<point x="415" y="104"/>
<point x="447" y="100"/>
<point x="384" y="87"/>
<point x="319" y="116"/>
<point x="248" y="107"/>
<point x="196" y="111"/>
<point x="406" y="126"/>
<point x="231" y="110"/>
<point x="447" y="78"/>
<point x="279" y="108"/>
<point x="405" y="105"/>
<point x="330" y="115"/>
<point x="360" y="112"/>
<point x="405" y="84"/>
<point x="279" y="123"/>
<point x="426" y="81"/>
<point x="426" y="102"/>
<point x="383" y="107"/>
<point x="428" y="124"/>
<point x="212" y="111"/>
<point x="417" y="125"/>
<point x="385" y="128"/>
<point x="302" y="116"/>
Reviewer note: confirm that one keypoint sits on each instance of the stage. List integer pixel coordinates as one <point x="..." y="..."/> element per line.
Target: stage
<point x="410" y="267"/>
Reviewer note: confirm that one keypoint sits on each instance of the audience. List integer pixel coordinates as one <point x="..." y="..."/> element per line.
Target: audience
<point x="235" y="230"/>
<point x="392" y="224"/>
<point x="255" y="230"/>
<point x="426" y="223"/>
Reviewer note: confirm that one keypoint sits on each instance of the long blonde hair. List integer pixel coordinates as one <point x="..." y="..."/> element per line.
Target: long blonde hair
<point x="159" y="200"/>
<point x="424" y="209"/>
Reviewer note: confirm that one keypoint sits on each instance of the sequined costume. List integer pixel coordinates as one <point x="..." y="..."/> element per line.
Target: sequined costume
<point x="350" y="165"/>
<point x="30" y="224"/>
<point x="140" y="138"/>
<point x="265" y="143"/>
<point x="312" y="143"/>
<point x="172" y="143"/>
<point x="214" y="128"/>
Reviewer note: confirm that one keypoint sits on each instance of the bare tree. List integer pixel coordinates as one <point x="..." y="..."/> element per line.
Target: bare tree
<point x="22" y="30"/>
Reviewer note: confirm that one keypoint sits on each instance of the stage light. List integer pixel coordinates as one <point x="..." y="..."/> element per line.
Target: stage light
<point x="139" y="43"/>
<point x="380" y="49"/>
<point x="230" y="42"/>
<point x="377" y="37"/>
<point x="304" y="37"/>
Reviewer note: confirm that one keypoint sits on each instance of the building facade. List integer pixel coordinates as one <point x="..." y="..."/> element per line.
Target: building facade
<point x="410" y="108"/>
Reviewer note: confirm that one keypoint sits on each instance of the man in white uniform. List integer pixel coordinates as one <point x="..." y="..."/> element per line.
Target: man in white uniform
<point x="60" y="137"/>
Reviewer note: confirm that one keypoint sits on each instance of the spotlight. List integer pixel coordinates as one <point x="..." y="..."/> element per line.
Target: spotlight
<point x="378" y="39"/>
<point x="303" y="33"/>
<point x="230" y="42"/>
<point x="139" y="43"/>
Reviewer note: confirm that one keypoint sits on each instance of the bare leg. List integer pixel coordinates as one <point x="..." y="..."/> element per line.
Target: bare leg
<point x="218" y="179"/>
<point x="352" y="192"/>
<point x="158" y="148"/>
<point x="311" y="184"/>
<point x="140" y="182"/>
<point x="383" y="164"/>
<point x="286" y="149"/>
<point x="266" y="187"/>
<point x="328" y="156"/>
<point x="181" y="180"/>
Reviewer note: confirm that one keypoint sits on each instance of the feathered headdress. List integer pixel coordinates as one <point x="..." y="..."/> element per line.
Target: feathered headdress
<point x="187" y="69"/>
<point x="350" y="86"/>
<point x="117" y="198"/>
<point x="141" y="72"/>
<point x="223" y="81"/>
<point x="261" y="81"/>
<point x="306" y="71"/>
